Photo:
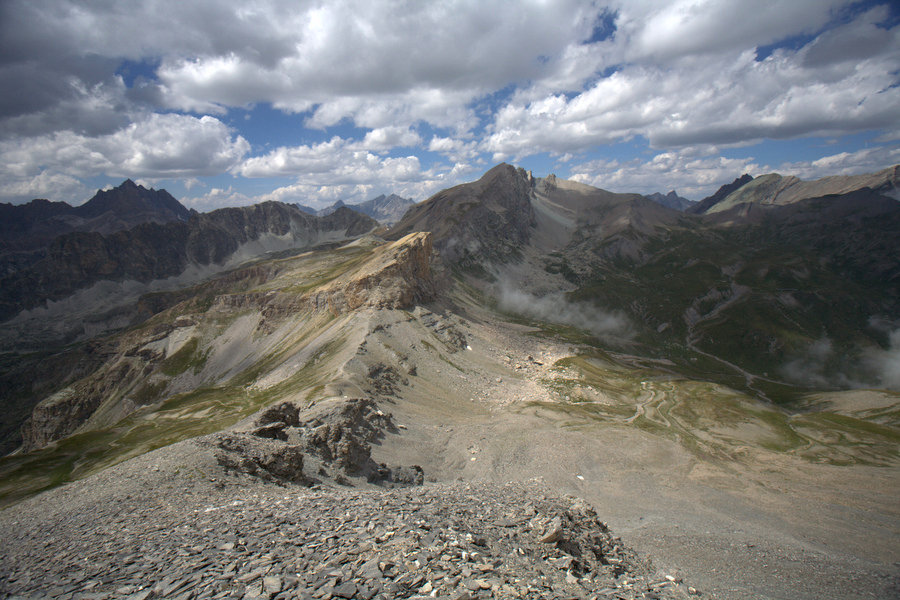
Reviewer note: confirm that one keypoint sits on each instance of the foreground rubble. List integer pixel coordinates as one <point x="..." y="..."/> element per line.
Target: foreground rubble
<point x="456" y="540"/>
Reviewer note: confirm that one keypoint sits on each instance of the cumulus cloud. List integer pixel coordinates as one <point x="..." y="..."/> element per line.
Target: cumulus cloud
<point x="159" y="145"/>
<point x="345" y="55"/>
<point x="694" y="172"/>
<point x="665" y="31"/>
<point x="866" y="160"/>
<point x="454" y="149"/>
<point x="698" y="85"/>
<point x="386" y="138"/>
<point x="698" y="171"/>
<point x="344" y="169"/>
<point x="337" y="161"/>
<point x="527" y="79"/>
<point x="319" y="195"/>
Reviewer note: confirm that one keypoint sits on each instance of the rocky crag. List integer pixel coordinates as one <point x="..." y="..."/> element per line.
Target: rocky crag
<point x="671" y="200"/>
<point x="155" y="251"/>
<point x="89" y="283"/>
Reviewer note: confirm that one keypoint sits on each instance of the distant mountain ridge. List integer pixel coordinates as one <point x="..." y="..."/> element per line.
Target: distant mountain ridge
<point x="671" y="200"/>
<point x="186" y="251"/>
<point x="779" y="190"/>
<point x="35" y="224"/>
<point x="720" y="194"/>
<point x="387" y="210"/>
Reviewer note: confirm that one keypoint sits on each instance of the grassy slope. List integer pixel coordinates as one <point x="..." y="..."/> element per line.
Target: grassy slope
<point x="790" y="298"/>
<point x="211" y="406"/>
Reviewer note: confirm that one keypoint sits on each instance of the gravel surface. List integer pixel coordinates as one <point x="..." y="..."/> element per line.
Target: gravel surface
<point x="160" y="527"/>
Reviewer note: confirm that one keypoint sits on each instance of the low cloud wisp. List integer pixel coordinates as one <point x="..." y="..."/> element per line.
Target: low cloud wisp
<point x="556" y="308"/>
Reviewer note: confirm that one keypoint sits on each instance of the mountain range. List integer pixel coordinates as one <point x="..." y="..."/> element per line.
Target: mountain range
<point x="734" y="364"/>
<point x="29" y="226"/>
<point x="387" y="210"/>
<point x="671" y="200"/>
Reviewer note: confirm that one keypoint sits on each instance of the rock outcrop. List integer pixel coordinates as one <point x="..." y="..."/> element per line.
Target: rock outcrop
<point x="397" y="276"/>
<point x="335" y="438"/>
<point x="142" y="363"/>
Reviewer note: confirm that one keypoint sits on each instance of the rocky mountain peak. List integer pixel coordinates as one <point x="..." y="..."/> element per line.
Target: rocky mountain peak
<point x="723" y="192"/>
<point x="671" y="200"/>
<point x="130" y="199"/>
<point x="487" y="219"/>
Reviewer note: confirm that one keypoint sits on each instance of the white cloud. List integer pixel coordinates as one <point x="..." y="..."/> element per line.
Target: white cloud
<point x="52" y="186"/>
<point x="678" y="73"/>
<point x="159" y="145"/>
<point x="725" y="98"/>
<point x="691" y="171"/>
<point x="697" y="172"/>
<point x="664" y="31"/>
<point x="337" y="161"/>
<point x="218" y="198"/>
<point x="343" y="169"/>
<point x="453" y="148"/>
<point x="379" y="63"/>
<point x="385" y="138"/>
<point x="867" y="160"/>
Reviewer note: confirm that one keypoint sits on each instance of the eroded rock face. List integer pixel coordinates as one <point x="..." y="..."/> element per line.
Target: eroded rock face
<point x="398" y="276"/>
<point x="266" y="459"/>
<point x="62" y="413"/>
<point x="336" y="438"/>
<point x="154" y="251"/>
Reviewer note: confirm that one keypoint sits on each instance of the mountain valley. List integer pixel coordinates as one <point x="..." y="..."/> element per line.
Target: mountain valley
<point x="720" y="383"/>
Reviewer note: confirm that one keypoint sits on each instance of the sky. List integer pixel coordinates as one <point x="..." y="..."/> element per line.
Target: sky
<point x="228" y="103"/>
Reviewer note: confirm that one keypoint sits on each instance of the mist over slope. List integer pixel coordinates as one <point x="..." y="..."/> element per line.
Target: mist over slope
<point x="738" y="294"/>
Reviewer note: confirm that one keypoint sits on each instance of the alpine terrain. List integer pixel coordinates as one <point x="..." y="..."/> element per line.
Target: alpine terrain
<point x="526" y="387"/>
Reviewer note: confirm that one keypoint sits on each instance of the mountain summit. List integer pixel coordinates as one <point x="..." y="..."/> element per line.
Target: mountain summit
<point x="671" y="200"/>
<point x="387" y="210"/>
<point x="35" y="224"/>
